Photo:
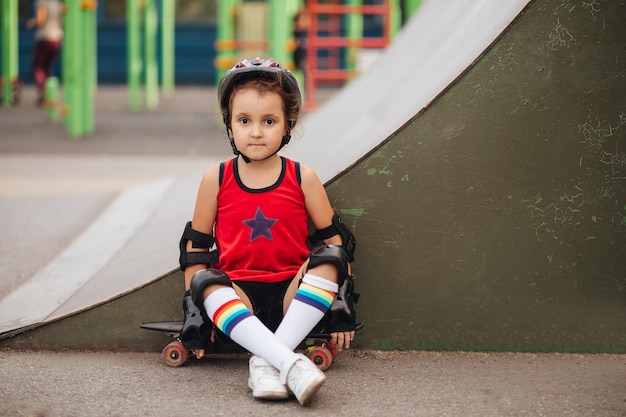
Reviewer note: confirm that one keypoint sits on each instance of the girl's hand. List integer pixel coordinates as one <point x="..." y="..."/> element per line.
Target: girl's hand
<point x="199" y="353"/>
<point x="342" y="339"/>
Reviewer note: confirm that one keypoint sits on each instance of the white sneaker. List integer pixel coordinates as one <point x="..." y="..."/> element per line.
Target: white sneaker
<point x="303" y="378"/>
<point x="264" y="380"/>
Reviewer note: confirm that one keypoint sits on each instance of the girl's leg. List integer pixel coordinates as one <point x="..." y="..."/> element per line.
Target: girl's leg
<point x="309" y="304"/>
<point x="232" y="317"/>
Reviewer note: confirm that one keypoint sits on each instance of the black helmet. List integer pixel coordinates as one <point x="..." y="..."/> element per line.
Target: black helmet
<point x="258" y="68"/>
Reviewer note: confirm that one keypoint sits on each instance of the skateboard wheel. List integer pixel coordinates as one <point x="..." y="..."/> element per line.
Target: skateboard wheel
<point x="174" y="354"/>
<point x="332" y="349"/>
<point x="321" y="357"/>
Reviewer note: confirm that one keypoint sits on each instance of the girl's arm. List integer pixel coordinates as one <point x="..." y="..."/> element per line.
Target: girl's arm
<point x="204" y="215"/>
<point x="317" y="204"/>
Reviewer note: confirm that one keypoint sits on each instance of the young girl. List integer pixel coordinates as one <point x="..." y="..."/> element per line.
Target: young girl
<point x="263" y="289"/>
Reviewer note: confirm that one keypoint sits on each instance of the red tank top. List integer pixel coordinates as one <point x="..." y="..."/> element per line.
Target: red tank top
<point x="261" y="233"/>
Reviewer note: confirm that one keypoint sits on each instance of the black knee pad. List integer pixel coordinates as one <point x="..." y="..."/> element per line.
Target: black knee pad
<point x="203" y="279"/>
<point x="196" y="331"/>
<point x="341" y="317"/>
<point x="330" y="254"/>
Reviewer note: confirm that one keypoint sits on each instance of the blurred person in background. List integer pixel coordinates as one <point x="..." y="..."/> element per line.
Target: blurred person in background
<point x="48" y="37"/>
<point x="301" y="22"/>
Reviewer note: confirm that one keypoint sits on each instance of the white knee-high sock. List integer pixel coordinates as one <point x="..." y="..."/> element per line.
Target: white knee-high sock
<point x="312" y="300"/>
<point x="232" y="317"/>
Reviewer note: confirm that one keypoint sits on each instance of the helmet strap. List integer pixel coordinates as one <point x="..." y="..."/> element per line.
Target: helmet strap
<point x="236" y="151"/>
<point x="247" y="160"/>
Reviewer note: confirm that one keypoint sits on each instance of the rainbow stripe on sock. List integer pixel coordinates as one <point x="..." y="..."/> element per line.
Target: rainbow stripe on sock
<point x="315" y="297"/>
<point x="229" y="315"/>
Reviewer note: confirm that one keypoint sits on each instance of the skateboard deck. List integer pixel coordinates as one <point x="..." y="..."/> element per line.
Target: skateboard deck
<point x="319" y="349"/>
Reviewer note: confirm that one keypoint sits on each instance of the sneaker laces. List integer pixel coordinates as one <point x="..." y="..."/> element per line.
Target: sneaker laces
<point x="264" y="368"/>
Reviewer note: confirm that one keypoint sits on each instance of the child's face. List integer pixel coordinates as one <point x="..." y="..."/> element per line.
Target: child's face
<point x="257" y="122"/>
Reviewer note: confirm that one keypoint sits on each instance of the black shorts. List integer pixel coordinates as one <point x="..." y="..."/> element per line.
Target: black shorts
<point x="267" y="300"/>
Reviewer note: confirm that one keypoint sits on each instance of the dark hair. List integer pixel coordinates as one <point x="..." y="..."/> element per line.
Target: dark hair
<point x="264" y="86"/>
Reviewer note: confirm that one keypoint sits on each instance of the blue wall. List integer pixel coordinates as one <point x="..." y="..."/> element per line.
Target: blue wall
<point x="194" y="53"/>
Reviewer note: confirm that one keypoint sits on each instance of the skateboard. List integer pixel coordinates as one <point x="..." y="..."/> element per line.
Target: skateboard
<point x="318" y="347"/>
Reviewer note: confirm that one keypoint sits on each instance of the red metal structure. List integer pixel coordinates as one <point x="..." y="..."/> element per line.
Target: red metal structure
<point x="329" y="39"/>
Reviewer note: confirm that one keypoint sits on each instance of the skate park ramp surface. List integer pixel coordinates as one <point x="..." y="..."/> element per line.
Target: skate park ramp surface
<point x="480" y="164"/>
<point x="127" y="246"/>
<point x="435" y="47"/>
<point x="147" y="220"/>
<point x="495" y="218"/>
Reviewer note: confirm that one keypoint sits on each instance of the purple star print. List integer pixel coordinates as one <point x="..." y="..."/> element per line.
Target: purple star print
<point x="260" y="225"/>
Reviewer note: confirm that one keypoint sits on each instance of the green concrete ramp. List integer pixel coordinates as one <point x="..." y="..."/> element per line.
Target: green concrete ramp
<point x="494" y="218"/>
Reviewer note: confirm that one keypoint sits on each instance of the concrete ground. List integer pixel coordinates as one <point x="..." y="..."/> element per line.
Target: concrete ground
<point x="360" y="383"/>
<point x="51" y="187"/>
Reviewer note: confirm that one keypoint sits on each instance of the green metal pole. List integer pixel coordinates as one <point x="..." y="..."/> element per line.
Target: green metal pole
<point x="281" y="29"/>
<point x="133" y="54"/>
<point x="225" y="36"/>
<point x="88" y="53"/>
<point x="395" y="18"/>
<point x="74" y="74"/>
<point x="10" y="62"/>
<point x="354" y="32"/>
<point x="168" y="28"/>
<point x="52" y="98"/>
<point x="151" y="74"/>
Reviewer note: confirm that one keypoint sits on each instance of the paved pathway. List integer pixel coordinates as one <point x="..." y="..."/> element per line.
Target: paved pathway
<point x="360" y="383"/>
